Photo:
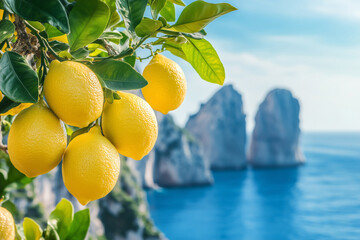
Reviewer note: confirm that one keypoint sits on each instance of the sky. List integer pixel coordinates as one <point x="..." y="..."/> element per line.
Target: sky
<point x="309" y="47"/>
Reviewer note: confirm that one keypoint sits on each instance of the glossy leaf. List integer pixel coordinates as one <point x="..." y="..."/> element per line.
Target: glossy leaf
<point x="130" y="60"/>
<point x="177" y="2"/>
<point x="198" y="14"/>
<point x="49" y="11"/>
<point x="175" y="49"/>
<point x="118" y="75"/>
<point x="52" y="31"/>
<point x="32" y="230"/>
<point x="62" y="217"/>
<point x="51" y="233"/>
<point x="114" y="20"/>
<point x="88" y="20"/>
<point x="7" y="29"/>
<point x="132" y="12"/>
<point x="37" y="25"/>
<point x="6" y="104"/>
<point x="81" y="131"/>
<point x="80" y="53"/>
<point x="58" y="46"/>
<point x="204" y="59"/>
<point x="80" y="225"/>
<point x="156" y="6"/>
<point x="111" y="35"/>
<point x="147" y="27"/>
<point x="18" y="81"/>
<point x="168" y="11"/>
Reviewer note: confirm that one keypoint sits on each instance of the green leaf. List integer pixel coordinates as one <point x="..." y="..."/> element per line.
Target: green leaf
<point x="175" y="49"/>
<point x="52" y="31"/>
<point x="7" y="29"/>
<point x="81" y="131"/>
<point x="111" y="35"/>
<point x="204" y="59"/>
<point x="38" y="25"/>
<point x="196" y="35"/>
<point x="80" y="225"/>
<point x="168" y="11"/>
<point x="62" y="217"/>
<point x="18" y="81"/>
<point x="58" y="46"/>
<point x="80" y="53"/>
<point x="51" y="233"/>
<point x="147" y="27"/>
<point x="32" y="230"/>
<point x="114" y="20"/>
<point x="130" y="60"/>
<point x="156" y="6"/>
<point x="132" y="12"/>
<point x="118" y="75"/>
<point x="49" y="11"/>
<point x="88" y="20"/>
<point x="198" y="14"/>
<point x="178" y="2"/>
<point x="6" y="104"/>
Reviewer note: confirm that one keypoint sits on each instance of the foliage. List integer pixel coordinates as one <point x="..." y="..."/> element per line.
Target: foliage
<point x="61" y="224"/>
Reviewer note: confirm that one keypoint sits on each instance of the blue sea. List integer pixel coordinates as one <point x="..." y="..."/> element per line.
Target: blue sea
<point x="318" y="201"/>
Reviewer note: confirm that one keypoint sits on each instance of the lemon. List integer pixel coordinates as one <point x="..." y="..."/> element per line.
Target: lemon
<point x="91" y="166"/>
<point x="130" y="124"/>
<point x="37" y="140"/>
<point x="166" y="87"/>
<point x="7" y="225"/>
<point x="74" y="93"/>
<point x="16" y="109"/>
<point x="62" y="38"/>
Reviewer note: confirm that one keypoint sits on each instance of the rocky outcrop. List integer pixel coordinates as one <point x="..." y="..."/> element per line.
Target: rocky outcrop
<point x="220" y="128"/>
<point x="178" y="158"/>
<point x="275" y="139"/>
<point x="124" y="211"/>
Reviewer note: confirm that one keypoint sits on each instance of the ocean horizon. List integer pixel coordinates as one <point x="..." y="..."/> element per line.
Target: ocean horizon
<point x="319" y="200"/>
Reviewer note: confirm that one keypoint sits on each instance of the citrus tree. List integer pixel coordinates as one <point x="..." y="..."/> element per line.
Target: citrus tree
<point x="64" y="68"/>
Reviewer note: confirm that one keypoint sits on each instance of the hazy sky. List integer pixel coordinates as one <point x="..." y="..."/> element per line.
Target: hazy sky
<point x="310" y="47"/>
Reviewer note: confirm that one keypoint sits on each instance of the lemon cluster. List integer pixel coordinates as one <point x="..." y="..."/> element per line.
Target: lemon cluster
<point x="37" y="140"/>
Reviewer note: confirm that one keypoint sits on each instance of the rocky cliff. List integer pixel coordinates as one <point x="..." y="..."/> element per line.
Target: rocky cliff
<point x="220" y="128"/>
<point x="275" y="139"/>
<point x="178" y="157"/>
<point x="176" y="160"/>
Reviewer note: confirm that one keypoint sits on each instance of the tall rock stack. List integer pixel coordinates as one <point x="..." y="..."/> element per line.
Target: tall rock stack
<point x="275" y="139"/>
<point x="220" y="128"/>
<point x="178" y="157"/>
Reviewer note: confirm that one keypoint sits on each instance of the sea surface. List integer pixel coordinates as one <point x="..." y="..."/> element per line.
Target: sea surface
<point x="318" y="201"/>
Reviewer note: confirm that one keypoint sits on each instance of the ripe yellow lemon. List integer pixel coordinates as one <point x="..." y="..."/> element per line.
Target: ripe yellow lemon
<point x="7" y="225"/>
<point x="91" y="166"/>
<point x="16" y="109"/>
<point x="166" y="87"/>
<point x="62" y="38"/>
<point x="130" y="124"/>
<point x="37" y="140"/>
<point x="74" y="93"/>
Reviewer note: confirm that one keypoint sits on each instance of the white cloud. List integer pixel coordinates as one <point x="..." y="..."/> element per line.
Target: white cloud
<point x="347" y="9"/>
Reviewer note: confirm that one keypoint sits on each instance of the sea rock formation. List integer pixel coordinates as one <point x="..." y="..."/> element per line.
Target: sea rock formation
<point x="275" y="139"/>
<point x="178" y="157"/>
<point x="220" y="128"/>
